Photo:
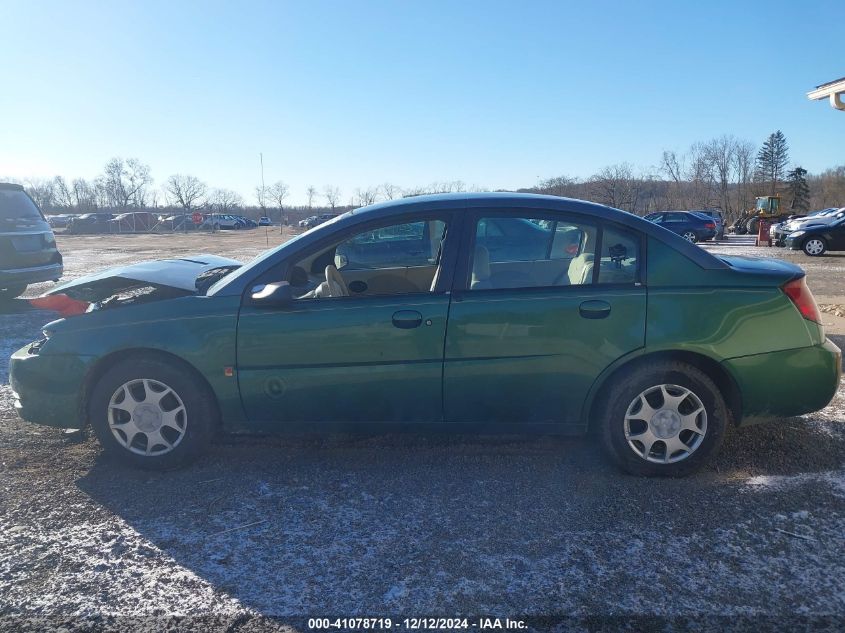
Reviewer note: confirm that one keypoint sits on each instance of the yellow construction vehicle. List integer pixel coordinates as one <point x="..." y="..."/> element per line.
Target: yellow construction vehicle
<point x="766" y="208"/>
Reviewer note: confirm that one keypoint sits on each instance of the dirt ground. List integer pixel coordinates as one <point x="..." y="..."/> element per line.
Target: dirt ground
<point x="266" y="532"/>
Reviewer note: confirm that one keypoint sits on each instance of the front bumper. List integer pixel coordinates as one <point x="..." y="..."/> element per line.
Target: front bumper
<point x="787" y="383"/>
<point x="48" y="389"/>
<point x="793" y="243"/>
<point x="31" y="275"/>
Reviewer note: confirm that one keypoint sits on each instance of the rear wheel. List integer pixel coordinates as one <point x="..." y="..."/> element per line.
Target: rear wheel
<point x="690" y="236"/>
<point x="152" y="413"/>
<point x="11" y="292"/>
<point x="814" y="246"/>
<point x="667" y="419"/>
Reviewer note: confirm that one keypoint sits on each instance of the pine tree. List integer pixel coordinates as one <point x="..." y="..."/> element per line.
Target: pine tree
<point x="799" y="190"/>
<point x="772" y="160"/>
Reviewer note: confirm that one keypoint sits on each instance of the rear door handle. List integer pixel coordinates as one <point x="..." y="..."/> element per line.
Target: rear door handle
<point x="407" y="319"/>
<point x="594" y="309"/>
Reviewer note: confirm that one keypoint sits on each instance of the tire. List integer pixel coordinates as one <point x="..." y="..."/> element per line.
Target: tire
<point x="12" y="292"/>
<point x="690" y="236"/>
<point x="620" y="426"/>
<point x="814" y="246"/>
<point x="185" y="420"/>
<point x="751" y="227"/>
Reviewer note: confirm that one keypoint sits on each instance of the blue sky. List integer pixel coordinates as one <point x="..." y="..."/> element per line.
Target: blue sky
<point x="497" y="94"/>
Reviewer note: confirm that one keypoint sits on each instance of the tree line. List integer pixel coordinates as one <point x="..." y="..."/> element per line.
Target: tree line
<point x="723" y="173"/>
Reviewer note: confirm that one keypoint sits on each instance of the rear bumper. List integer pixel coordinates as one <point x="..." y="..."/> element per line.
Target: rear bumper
<point x="48" y="389"/>
<point x="31" y="275"/>
<point x="786" y="383"/>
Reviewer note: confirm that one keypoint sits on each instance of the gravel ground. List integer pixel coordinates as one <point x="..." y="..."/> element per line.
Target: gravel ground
<point x="266" y="531"/>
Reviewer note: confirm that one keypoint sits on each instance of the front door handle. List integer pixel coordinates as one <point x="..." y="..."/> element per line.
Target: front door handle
<point x="407" y="319"/>
<point x="594" y="309"/>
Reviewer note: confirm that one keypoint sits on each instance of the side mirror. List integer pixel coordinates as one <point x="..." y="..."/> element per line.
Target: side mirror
<point x="340" y="261"/>
<point x="275" y="295"/>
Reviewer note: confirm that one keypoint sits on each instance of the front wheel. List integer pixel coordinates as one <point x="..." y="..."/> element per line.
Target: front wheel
<point x="690" y="236"/>
<point x="814" y="246"/>
<point x="152" y="413"/>
<point x="12" y="292"/>
<point x="666" y="419"/>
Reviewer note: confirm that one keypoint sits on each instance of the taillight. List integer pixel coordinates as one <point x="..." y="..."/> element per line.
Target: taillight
<point x="710" y="225"/>
<point x="800" y="295"/>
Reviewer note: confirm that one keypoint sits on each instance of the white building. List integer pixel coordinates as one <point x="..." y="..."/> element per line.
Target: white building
<point x="833" y="90"/>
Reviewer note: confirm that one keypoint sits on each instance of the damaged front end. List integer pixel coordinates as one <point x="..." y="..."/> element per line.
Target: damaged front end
<point x="137" y="283"/>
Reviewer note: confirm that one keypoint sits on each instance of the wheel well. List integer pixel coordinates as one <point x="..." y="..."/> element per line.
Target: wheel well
<point x="714" y="370"/>
<point x="110" y="360"/>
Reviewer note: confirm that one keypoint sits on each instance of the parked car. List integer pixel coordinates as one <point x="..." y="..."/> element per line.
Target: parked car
<point x="780" y="231"/>
<point x="28" y="252"/>
<point x="134" y="222"/>
<point x="816" y="238"/>
<point x="317" y="220"/>
<point x="718" y="220"/>
<point x="304" y="223"/>
<point x="60" y="220"/>
<point x="176" y="223"/>
<point x="247" y="223"/>
<point x="688" y="224"/>
<point x="90" y="223"/>
<point x="264" y="221"/>
<point x="598" y="320"/>
<point x="222" y="221"/>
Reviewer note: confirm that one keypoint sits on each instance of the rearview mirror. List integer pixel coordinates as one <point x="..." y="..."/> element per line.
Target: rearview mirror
<point x="275" y="295"/>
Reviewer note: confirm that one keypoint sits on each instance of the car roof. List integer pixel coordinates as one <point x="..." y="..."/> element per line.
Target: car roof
<point x="11" y="185"/>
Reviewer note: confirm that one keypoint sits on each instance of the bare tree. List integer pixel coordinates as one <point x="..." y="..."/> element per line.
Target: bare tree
<point x="720" y="153"/>
<point x="744" y="153"/>
<point x="278" y="192"/>
<point x="558" y="186"/>
<point x="365" y="197"/>
<point x="226" y="200"/>
<point x="126" y="182"/>
<point x="616" y="187"/>
<point x="311" y="193"/>
<point x="41" y="191"/>
<point x="332" y="195"/>
<point x="391" y="191"/>
<point x="261" y="195"/>
<point x="187" y="191"/>
<point x="63" y="194"/>
<point x="84" y="195"/>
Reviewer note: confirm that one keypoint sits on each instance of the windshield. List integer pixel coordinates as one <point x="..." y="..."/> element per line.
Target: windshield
<point x="16" y="205"/>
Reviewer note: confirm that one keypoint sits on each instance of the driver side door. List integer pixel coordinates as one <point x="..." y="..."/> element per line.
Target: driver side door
<point x="373" y="356"/>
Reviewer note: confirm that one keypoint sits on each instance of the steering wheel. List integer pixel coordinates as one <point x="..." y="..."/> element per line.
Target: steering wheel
<point x="334" y="280"/>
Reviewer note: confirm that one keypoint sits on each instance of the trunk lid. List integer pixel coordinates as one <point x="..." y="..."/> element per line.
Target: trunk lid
<point x="777" y="270"/>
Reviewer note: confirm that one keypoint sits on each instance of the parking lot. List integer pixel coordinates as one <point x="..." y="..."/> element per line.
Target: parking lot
<point x="266" y="531"/>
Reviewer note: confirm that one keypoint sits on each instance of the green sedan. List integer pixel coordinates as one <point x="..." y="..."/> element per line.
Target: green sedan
<point x="487" y="312"/>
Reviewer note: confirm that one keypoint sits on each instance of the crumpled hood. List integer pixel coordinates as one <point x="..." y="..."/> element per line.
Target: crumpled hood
<point x="178" y="274"/>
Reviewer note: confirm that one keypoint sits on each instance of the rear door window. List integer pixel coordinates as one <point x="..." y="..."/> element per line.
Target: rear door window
<point x="526" y="252"/>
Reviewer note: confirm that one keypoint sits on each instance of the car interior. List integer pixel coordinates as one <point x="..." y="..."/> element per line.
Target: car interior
<point x="566" y="264"/>
<point x="404" y="259"/>
<point x="397" y="259"/>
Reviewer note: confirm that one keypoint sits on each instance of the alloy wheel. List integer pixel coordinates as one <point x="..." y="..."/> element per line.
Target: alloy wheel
<point x="665" y="424"/>
<point x="814" y="247"/>
<point x="147" y="417"/>
<point x="689" y="236"/>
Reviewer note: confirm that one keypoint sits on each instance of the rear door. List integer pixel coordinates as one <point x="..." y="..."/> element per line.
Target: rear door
<point x="527" y="338"/>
